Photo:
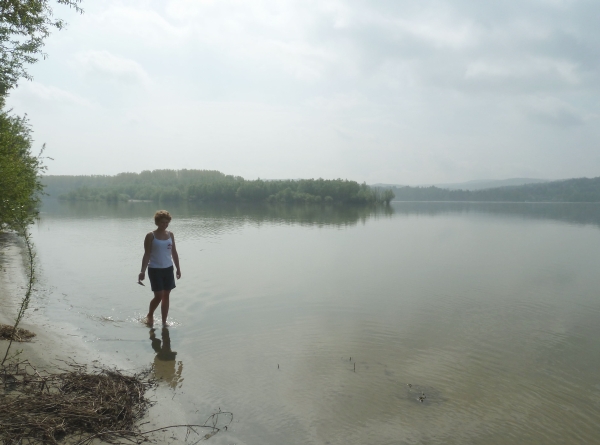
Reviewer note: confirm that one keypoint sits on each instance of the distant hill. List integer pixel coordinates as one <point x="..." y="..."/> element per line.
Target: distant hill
<point x="478" y="184"/>
<point x="482" y="184"/>
<point x="387" y="186"/>
<point x="569" y="190"/>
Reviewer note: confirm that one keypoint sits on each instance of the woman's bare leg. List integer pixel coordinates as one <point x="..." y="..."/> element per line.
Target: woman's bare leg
<point x="153" y="305"/>
<point x="164" y="306"/>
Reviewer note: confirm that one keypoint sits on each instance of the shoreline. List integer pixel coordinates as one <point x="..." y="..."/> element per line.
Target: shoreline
<point x="53" y="344"/>
<point x="57" y="344"/>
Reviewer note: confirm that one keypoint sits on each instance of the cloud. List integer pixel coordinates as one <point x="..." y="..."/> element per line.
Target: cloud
<point x="48" y="93"/>
<point x="106" y="66"/>
<point x="140" y="22"/>
<point x="440" y="27"/>
<point x="479" y="48"/>
<point x="556" y="113"/>
<point x="336" y="102"/>
<point x="266" y="35"/>
<point x="529" y="74"/>
<point x="508" y="47"/>
<point x="47" y="99"/>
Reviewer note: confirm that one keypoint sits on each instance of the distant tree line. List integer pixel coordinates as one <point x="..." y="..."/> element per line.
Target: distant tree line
<point x="211" y="186"/>
<point x="214" y="186"/>
<point x="570" y="190"/>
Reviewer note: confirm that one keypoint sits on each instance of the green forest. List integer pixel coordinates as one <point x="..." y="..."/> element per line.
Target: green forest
<point x="211" y="186"/>
<point x="24" y="27"/>
<point x="569" y="190"/>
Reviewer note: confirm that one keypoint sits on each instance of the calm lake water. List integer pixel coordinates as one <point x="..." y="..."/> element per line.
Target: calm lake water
<point x="324" y="326"/>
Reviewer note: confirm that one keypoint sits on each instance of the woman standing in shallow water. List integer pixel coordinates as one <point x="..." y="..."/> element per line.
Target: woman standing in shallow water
<point x="159" y="255"/>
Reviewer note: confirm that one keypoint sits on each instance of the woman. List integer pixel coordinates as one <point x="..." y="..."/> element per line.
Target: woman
<point x="159" y="255"/>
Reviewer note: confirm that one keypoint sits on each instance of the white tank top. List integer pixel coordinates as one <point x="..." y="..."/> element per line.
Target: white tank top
<point x="160" y="257"/>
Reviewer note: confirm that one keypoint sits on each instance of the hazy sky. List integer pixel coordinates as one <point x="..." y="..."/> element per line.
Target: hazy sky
<point x="389" y="91"/>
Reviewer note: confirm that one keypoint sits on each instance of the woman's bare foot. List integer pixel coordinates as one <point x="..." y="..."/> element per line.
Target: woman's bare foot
<point x="149" y="321"/>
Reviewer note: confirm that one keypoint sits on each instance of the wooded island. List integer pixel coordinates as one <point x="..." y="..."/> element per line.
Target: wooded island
<point x="211" y="186"/>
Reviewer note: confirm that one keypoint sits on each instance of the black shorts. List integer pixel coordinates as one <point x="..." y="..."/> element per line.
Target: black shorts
<point x="161" y="279"/>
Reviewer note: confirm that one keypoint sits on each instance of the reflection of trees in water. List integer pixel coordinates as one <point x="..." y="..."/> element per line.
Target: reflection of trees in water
<point x="165" y="367"/>
<point x="310" y="214"/>
<point x="225" y="215"/>
<point x="219" y="218"/>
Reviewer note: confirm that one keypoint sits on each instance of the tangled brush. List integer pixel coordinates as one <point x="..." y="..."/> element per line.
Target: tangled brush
<point x="41" y="407"/>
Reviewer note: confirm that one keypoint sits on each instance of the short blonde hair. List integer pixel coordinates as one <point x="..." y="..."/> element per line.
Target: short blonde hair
<point x="161" y="214"/>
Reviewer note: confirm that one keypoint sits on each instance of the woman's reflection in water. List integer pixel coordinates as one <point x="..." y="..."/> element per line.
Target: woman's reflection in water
<point x="164" y="361"/>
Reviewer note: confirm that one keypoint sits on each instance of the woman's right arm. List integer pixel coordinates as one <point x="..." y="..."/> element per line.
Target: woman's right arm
<point x="146" y="257"/>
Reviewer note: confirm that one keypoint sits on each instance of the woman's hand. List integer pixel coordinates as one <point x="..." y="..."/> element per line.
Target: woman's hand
<point x="141" y="276"/>
<point x="178" y="274"/>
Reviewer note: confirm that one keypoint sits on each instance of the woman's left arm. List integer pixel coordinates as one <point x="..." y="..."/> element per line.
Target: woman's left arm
<point x="175" y="257"/>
